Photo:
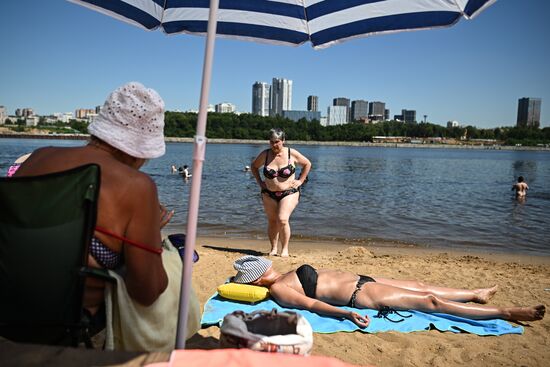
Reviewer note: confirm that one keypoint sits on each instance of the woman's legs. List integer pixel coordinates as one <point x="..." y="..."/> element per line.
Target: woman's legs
<point x="271" y="208"/>
<point x="377" y="296"/>
<point x="480" y="295"/>
<point x="286" y="207"/>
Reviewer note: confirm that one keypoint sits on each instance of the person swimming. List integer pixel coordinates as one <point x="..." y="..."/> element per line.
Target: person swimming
<point x="185" y="172"/>
<point x="520" y="187"/>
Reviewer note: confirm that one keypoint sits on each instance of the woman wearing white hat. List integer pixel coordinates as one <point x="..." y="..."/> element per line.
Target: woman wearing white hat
<point x="128" y="131"/>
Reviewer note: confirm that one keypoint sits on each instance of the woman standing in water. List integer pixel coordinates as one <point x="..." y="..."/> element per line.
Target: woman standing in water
<point x="280" y="188"/>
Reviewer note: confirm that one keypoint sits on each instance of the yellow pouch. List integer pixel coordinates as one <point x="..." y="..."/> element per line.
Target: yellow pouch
<point x="243" y="292"/>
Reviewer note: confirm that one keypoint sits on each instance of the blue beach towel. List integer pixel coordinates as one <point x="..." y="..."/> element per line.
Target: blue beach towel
<point x="217" y="307"/>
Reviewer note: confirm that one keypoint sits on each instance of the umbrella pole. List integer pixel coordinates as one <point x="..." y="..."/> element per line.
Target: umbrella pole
<point x="194" y="194"/>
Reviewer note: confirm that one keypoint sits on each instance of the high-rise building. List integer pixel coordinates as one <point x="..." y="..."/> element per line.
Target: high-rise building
<point x="83" y="113"/>
<point x="386" y="114"/>
<point x="529" y="112"/>
<point x="359" y="110"/>
<point x="377" y="110"/>
<point x="337" y="115"/>
<point x="281" y="96"/>
<point x="409" y="116"/>
<point x="342" y="101"/>
<point x="313" y="103"/>
<point x="260" y="98"/>
<point x="3" y="115"/>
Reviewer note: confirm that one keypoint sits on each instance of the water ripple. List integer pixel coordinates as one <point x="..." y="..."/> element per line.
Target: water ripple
<point x="447" y="198"/>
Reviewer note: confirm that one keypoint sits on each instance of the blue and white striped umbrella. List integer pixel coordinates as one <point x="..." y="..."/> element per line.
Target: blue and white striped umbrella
<point x="290" y="22"/>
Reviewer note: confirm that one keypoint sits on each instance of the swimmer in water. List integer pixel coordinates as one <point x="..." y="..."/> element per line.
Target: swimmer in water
<point x="520" y="187"/>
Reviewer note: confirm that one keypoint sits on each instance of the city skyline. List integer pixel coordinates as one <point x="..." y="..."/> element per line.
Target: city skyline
<point x="263" y="96"/>
<point x="67" y="57"/>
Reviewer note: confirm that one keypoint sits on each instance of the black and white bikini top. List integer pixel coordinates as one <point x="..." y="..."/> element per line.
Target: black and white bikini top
<point x="284" y="172"/>
<point x="111" y="259"/>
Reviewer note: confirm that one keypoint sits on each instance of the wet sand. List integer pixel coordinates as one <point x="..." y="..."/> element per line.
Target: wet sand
<point x="522" y="280"/>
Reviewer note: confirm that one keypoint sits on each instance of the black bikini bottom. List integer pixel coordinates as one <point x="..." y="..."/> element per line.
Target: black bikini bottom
<point x="362" y="280"/>
<point x="279" y="195"/>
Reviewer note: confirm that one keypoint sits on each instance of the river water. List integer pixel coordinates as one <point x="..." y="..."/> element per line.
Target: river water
<point x="441" y="198"/>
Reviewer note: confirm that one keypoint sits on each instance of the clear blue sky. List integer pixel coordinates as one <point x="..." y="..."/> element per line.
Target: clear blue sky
<point x="57" y="57"/>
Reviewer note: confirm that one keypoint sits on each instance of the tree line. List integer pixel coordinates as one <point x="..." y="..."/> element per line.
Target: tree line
<point x="248" y="126"/>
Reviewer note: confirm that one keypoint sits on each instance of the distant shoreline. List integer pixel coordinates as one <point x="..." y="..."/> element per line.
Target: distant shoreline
<point x="293" y="142"/>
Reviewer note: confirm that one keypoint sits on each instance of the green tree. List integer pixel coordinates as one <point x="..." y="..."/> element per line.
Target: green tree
<point x="79" y="126"/>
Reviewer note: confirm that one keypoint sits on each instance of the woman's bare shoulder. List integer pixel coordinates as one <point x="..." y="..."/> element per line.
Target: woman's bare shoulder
<point x="299" y="157"/>
<point x="260" y="158"/>
<point x="134" y="180"/>
<point x="295" y="153"/>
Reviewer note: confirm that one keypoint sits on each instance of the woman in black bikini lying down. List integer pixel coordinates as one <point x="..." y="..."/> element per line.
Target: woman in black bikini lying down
<point x="280" y="188"/>
<point x="320" y="290"/>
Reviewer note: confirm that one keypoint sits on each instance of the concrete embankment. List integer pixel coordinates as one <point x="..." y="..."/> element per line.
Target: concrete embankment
<point x="295" y="142"/>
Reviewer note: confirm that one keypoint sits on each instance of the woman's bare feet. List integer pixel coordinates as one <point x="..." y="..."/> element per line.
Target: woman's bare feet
<point x="484" y="294"/>
<point x="527" y="313"/>
<point x="284" y="250"/>
<point x="273" y="251"/>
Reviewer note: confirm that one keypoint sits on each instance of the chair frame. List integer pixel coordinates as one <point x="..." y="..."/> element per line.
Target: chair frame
<point x="74" y="326"/>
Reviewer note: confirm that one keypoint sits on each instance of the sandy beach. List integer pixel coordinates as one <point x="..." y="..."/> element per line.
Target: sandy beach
<point x="522" y="281"/>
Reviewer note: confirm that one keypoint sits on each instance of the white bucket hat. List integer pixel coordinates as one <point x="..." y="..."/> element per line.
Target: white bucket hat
<point x="249" y="268"/>
<point x="132" y="120"/>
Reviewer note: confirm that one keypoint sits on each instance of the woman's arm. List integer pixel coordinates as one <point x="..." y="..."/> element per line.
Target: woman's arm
<point x="304" y="163"/>
<point x="255" y="168"/>
<point x="288" y="297"/>
<point x="145" y="277"/>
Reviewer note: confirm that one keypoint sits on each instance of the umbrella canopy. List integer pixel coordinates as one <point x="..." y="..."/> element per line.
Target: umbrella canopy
<point x="290" y="22"/>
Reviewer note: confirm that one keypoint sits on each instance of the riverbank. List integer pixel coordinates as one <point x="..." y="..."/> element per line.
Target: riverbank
<point x="13" y="135"/>
<point x="522" y="280"/>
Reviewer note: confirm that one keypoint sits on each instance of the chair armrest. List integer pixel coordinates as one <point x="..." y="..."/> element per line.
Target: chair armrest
<point x="101" y="274"/>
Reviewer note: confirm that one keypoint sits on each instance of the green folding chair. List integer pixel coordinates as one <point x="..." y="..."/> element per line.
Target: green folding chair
<point x="46" y="225"/>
